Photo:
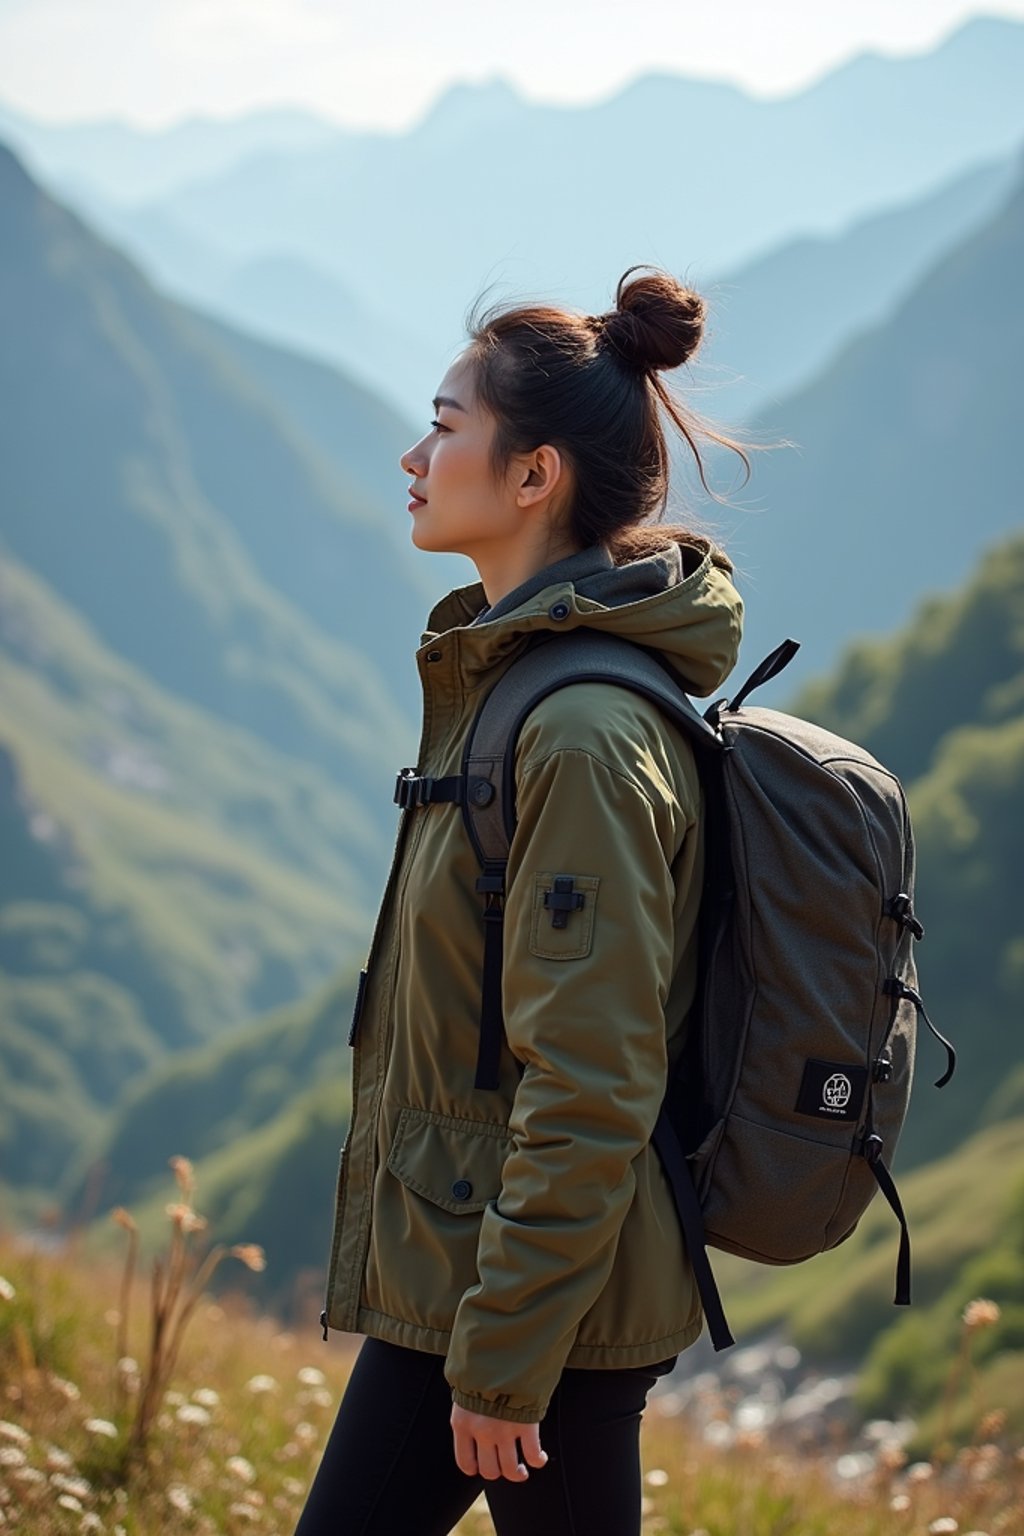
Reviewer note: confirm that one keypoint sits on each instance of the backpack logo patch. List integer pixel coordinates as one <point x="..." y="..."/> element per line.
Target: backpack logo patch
<point x="832" y="1090"/>
<point x="836" y="1092"/>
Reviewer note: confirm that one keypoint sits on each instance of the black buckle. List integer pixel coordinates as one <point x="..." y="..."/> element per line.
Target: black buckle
<point x="872" y="1148"/>
<point x="901" y="909"/>
<point x="412" y="788"/>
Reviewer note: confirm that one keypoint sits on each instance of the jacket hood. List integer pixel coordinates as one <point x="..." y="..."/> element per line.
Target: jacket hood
<point x="677" y="599"/>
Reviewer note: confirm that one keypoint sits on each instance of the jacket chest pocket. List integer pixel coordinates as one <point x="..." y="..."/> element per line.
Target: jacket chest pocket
<point x="562" y="919"/>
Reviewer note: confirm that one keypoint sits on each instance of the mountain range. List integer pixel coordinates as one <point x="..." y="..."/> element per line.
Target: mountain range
<point x="317" y="236"/>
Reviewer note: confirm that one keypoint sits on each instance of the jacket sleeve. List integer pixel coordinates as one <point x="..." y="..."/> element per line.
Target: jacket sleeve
<point x="584" y="1008"/>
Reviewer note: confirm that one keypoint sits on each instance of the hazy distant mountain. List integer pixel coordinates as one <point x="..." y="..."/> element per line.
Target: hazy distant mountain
<point x="171" y="500"/>
<point x="114" y="160"/>
<point x="774" y="323"/>
<point x="777" y="321"/>
<point x="699" y="176"/>
<point x="294" y="303"/>
<point x="906" y="464"/>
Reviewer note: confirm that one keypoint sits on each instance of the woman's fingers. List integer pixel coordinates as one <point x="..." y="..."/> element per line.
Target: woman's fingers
<point x="465" y="1447"/>
<point x="487" y="1447"/>
<point x="508" y="1460"/>
<point x="532" y="1452"/>
<point x="487" y="1459"/>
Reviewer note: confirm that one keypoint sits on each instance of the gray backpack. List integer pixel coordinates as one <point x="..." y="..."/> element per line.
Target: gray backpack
<point x="781" y="1117"/>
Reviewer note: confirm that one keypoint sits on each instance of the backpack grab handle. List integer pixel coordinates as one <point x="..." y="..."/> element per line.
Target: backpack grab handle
<point x="765" y="670"/>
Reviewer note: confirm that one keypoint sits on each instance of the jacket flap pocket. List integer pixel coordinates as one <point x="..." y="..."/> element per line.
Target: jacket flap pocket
<point x="455" y="1163"/>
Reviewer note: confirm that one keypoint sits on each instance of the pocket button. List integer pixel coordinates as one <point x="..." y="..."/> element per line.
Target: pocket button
<point x="462" y="1189"/>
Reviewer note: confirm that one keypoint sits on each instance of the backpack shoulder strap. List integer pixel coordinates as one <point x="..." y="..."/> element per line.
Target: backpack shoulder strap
<point x="488" y="774"/>
<point x="551" y="662"/>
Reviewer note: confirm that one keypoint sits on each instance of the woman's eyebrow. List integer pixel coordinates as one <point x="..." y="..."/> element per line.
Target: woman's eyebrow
<point x="440" y="400"/>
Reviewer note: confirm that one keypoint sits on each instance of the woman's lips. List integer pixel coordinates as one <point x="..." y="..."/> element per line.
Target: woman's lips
<point x="417" y="501"/>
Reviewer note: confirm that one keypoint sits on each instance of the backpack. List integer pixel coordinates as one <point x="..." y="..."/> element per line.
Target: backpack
<point x="780" y="1118"/>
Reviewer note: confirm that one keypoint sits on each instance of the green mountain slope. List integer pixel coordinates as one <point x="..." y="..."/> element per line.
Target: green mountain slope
<point x="264" y="1112"/>
<point x="164" y="877"/>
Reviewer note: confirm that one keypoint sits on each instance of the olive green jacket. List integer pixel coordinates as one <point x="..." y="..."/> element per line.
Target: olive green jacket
<point x="529" y="1228"/>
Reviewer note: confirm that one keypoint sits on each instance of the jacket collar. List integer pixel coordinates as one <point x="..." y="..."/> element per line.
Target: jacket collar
<point x="672" y="600"/>
<point x="574" y="568"/>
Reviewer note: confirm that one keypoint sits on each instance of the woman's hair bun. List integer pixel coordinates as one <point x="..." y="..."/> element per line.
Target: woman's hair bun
<point x="657" y="323"/>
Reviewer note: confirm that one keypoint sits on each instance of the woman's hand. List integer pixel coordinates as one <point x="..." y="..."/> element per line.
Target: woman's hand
<point x="487" y="1446"/>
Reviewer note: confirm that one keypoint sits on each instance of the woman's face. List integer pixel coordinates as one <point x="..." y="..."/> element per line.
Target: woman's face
<point x="449" y="468"/>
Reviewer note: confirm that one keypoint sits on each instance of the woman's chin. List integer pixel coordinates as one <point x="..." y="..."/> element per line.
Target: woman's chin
<point x="435" y="545"/>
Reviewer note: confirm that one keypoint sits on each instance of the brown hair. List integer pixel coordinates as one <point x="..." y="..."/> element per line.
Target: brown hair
<point x="588" y="385"/>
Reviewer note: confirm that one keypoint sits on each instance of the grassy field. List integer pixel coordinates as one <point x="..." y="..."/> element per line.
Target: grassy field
<point x="237" y="1409"/>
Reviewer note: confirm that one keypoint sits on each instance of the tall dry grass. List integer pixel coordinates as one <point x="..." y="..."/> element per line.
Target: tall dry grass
<point x="133" y="1403"/>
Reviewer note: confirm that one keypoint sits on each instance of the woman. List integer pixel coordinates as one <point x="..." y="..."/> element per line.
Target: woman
<point x="514" y="1257"/>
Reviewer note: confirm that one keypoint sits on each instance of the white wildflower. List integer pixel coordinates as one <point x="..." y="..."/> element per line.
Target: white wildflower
<point x="981" y="1313"/>
<point x="12" y="1456"/>
<point x="261" y="1384"/>
<point x="90" y="1522"/>
<point x="15" y="1432"/>
<point x="239" y="1467"/>
<point x="206" y="1396"/>
<point x="55" y="1457"/>
<point x="244" y="1511"/>
<point x="29" y="1475"/>
<point x="656" y="1478"/>
<point x="311" y="1377"/>
<point x="68" y="1501"/>
<point x="180" y="1498"/>
<point x="65" y="1388"/>
<point x="945" y="1525"/>
<point x="76" y="1485"/>
<point x="7" y="1291"/>
<point x="101" y="1427"/>
<point x="191" y="1413"/>
<point x="293" y="1486"/>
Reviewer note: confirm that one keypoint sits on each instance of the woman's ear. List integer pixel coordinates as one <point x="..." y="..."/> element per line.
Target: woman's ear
<point x="540" y="472"/>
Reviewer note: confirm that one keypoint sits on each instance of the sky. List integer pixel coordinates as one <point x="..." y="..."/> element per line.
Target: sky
<point x="379" y="64"/>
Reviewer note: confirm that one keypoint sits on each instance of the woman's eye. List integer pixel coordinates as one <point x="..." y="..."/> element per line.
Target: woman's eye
<point x="439" y="425"/>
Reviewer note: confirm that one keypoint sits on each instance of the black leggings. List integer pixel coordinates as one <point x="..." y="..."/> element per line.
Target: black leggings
<point x="389" y="1464"/>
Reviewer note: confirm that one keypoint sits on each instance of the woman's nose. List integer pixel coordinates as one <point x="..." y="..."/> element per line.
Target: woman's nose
<point x="413" y="460"/>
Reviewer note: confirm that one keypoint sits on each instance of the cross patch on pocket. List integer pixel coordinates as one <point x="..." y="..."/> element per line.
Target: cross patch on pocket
<point x="562" y="922"/>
